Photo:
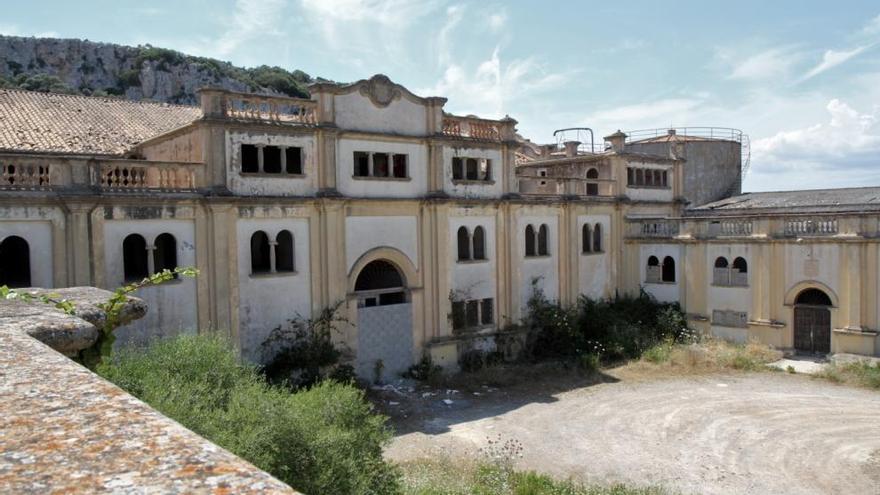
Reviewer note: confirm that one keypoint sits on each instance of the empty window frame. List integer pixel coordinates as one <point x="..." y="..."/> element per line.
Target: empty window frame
<point x="721" y="271"/>
<point x="294" y="158"/>
<point x="739" y="273"/>
<point x="381" y="165"/>
<point x="586" y="238"/>
<point x="457" y="168"/>
<point x="471" y="169"/>
<point x="653" y="271"/>
<point x="597" y="238"/>
<point x="464" y="244"/>
<point x="543" y="248"/>
<point x="135" y="264"/>
<point x="646" y="177"/>
<point x="15" y="262"/>
<point x="165" y="253"/>
<point x="668" y="269"/>
<point x="531" y="241"/>
<point x="250" y="159"/>
<point x="265" y="159"/>
<point x="592" y="187"/>
<point x="473" y="313"/>
<point x="479" y="243"/>
<point x="537" y="243"/>
<point x="735" y="275"/>
<point x="284" y="254"/>
<point x="271" y="160"/>
<point x="260" y="253"/>
<point x="471" y="246"/>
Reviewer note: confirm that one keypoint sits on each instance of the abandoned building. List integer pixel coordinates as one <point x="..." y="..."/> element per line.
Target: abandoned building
<point x="432" y="229"/>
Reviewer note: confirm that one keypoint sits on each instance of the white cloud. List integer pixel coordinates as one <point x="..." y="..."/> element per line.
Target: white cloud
<point x="454" y="15"/>
<point x="769" y="64"/>
<point x="833" y="58"/>
<point x="658" y="113"/>
<point x="493" y="86"/>
<point x="497" y="21"/>
<point x="872" y="27"/>
<point x="9" y="30"/>
<point x="251" y="19"/>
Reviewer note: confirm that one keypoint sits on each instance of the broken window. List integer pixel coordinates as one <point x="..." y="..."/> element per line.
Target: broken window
<point x="380" y="165"/>
<point x="15" y="262"/>
<point x="457" y="168"/>
<point x="135" y="265"/>
<point x="458" y="315"/>
<point x="294" y="162"/>
<point x="361" y="164"/>
<point x="400" y="166"/>
<point x="487" y="311"/>
<point x="530" y="241"/>
<point x="479" y="239"/>
<point x="383" y="284"/>
<point x="472" y="169"/>
<point x="271" y="160"/>
<point x="250" y="159"/>
<point x="542" y="240"/>
<point x="284" y="261"/>
<point x="260" y="256"/>
<point x="165" y="253"/>
<point x="486" y="169"/>
<point x="464" y="252"/>
<point x="472" y="313"/>
<point x="592" y="187"/>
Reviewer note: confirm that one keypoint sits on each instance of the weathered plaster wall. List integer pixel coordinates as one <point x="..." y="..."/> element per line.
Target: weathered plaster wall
<point x="271" y="184"/>
<point x="818" y="262"/>
<point x="663" y="291"/>
<point x="357" y="113"/>
<point x="472" y="279"/>
<point x="365" y="233"/>
<point x="38" y="234"/>
<point x="728" y="298"/>
<point x="472" y="189"/>
<point x="173" y="305"/>
<point x="594" y="269"/>
<point x="544" y="270"/>
<point x="269" y="300"/>
<point x="651" y="193"/>
<point x="417" y="168"/>
<point x="185" y="147"/>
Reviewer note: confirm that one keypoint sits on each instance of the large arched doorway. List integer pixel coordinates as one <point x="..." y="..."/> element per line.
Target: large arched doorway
<point x="384" y="321"/>
<point x="812" y="322"/>
<point x="15" y="262"/>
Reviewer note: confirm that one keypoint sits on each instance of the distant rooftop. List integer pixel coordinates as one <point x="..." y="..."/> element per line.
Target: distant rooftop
<point x="57" y="123"/>
<point x="815" y="200"/>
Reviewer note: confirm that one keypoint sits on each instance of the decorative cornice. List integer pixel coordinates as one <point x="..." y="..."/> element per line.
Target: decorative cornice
<point x="380" y="89"/>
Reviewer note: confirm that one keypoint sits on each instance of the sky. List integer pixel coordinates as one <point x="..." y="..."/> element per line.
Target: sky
<point x="801" y="78"/>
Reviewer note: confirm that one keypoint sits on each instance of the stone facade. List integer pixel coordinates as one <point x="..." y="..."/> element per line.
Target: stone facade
<point x="288" y="206"/>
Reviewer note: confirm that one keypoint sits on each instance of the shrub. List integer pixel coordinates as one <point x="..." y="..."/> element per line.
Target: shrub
<point x="862" y="373"/>
<point x="425" y="370"/>
<point x="323" y="440"/>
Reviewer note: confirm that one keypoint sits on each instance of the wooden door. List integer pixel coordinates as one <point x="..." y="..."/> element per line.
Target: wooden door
<point x="812" y="329"/>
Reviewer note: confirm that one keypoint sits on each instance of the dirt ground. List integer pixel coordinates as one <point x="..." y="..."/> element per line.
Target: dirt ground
<point x="723" y="433"/>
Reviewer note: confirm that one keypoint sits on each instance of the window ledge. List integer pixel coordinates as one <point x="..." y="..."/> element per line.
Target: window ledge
<point x="588" y="253"/>
<point x="648" y="187"/>
<point x="536" y="256"/>
<point x="659" y="282"/>
<point x="472" y="182"/>
<point x="392" y="179"/>
<point x="269" y="175"/>
<point x="472" y="262"/>
<point x="730" y="286"/>
<point x="273" y="274"/>
<point x="473" y="329"/>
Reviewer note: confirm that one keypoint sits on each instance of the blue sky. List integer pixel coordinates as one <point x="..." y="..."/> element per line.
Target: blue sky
<point x="801" y="78"/>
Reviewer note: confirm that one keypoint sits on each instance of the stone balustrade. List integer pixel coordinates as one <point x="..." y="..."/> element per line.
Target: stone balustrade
<point x="814" y="226"/>
<point x="474" y="128"/>
<point x="26" y="174"/>
<point x="566" y="186"/>
<point x="278" y="109"/>
<point x="653" y="228"/>
<point x="135" y="175"/>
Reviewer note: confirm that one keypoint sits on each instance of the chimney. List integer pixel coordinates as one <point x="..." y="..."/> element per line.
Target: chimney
<point x="617" y="140"/>
<point x="571" y="148"/>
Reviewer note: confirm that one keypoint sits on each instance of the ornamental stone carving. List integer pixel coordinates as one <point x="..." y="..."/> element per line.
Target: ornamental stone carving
<point x="380" y="90"/>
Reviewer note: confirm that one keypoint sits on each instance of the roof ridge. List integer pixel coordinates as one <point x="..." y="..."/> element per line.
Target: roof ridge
<point x="113" y="98"/>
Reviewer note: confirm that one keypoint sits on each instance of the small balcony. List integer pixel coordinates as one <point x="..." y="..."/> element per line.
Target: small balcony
<point x="220" y="103"/>
<point x="566" y="186"/>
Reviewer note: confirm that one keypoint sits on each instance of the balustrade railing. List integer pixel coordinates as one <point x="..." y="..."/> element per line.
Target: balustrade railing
<point x="566" y="186"/>
<point x="18" y="175"/>
<point x="660" y="228"/>
<point x="810" y="227"/>
<point x="270" y="108"/>
<point x="134" y="176"/>
<point x="467" y="127"/>
<point x="730" y="228"/>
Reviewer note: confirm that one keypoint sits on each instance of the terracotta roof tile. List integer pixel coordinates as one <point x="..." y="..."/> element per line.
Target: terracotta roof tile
<point x="57" y="123"/>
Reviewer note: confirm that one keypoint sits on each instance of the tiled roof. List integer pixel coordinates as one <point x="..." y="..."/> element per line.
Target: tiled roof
<point x="815" y="200"/>
<point x="56" y="123"/>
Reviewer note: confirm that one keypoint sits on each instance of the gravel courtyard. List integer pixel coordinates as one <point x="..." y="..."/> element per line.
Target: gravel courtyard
<point x="731" y="433"/>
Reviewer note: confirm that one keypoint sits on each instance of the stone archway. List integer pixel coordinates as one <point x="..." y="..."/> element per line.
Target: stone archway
<point x="384" y="319"/>
<point x="812" y="321"/>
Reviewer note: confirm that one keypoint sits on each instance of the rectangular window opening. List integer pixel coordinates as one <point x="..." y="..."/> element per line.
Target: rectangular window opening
<point x="271" y="160"/>
<point x="361" y="164"/>
<point x="472" y="313"/>
<point x="250" y="161"/>
<point x="485" y="169"/>
<point x="457" y="168"/>
<point x="400" y="166"/>
<point x="380" y="165"/>
<point x="293" y="157"/>
<point x="487" y="314"/>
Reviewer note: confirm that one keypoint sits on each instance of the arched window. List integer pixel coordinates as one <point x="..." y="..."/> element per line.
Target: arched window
<point x="592" y="187"/>
<point x="530" y="241"/>
<point x="15" y="262"/>
<point x="721" y="273"/>
<point x="479" y="243"/>
<point x="542" y="240"/>
<point x="260" y="256"/>
<point x="739" y="274"/>
<point x="668" y="269"/>
<point x="464" y="244"/>
<point x="284" y="260"/>
<point x="165" y="253"/>
<point x="586" y="238"/>
<point x="134" y="258"/>
<point x="653" y="270"/>
<point x="383" y="282"/>
<point x="597" y="238"/>
<point x="740" y="265"/>
<point x="813" y="297"/>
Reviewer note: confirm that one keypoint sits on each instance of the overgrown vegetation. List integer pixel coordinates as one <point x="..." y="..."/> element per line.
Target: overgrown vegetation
<point x="861" y="373"/>
<point x="710" y="355"/>
<point x="303" y="352"/>
<point x="610" y="330"/>
<point x="37" y="82"/>
<point x="322" y="440"/>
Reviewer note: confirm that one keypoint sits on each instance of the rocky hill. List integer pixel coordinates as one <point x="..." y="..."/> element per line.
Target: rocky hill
<point x="136" y="73"/>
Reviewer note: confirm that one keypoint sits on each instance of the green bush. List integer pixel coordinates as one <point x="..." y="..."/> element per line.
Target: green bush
<point x="322" y="440"/>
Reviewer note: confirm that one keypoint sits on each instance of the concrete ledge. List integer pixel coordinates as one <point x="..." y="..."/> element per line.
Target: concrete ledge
<point x="64" y="429"/>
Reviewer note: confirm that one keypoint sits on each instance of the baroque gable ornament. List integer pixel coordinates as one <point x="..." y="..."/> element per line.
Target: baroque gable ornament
<point x="380" y="90"/>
